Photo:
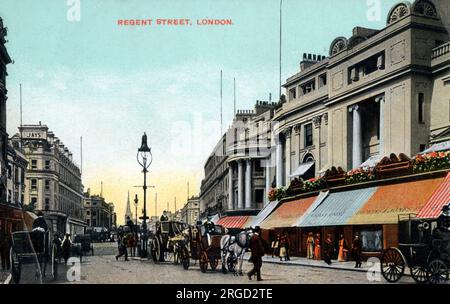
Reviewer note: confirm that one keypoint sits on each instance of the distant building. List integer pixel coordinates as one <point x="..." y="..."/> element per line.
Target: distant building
<point x="97" y="212"/>
<point x="53" y="180"/>
<point x="191" y="211"/>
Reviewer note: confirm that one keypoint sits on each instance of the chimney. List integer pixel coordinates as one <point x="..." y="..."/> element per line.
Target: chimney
<point x="309" y="60"/>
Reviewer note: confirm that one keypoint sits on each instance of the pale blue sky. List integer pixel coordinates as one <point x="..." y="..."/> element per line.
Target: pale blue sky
<point x="109" y="84"/>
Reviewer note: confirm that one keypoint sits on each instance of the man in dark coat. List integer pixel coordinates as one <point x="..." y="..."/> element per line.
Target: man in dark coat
<point x="443" y="221"/>
<point x="40" y="222"/>
<point x="164" y="217"/>
<point x="356" y="251"/>
<point x="257" y="252"/>
<point x="328" y="250"/>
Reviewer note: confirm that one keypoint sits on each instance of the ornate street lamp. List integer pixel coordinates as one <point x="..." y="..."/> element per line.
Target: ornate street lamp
<point x="144" y="158"/>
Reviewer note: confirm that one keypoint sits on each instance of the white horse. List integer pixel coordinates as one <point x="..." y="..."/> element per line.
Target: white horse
<point x="233" y="251"/>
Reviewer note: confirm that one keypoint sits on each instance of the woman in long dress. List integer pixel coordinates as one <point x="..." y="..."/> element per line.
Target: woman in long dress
<point x="310" y="246"/>
<point x="342" y="256"/>
<point x="317" y="255"/>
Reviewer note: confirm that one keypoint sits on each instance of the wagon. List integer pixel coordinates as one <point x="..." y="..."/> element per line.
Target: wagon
<point x="33" y="247"/>
<point x="203" y="245"/>
<point x="164" y="241"/>
<point x="422" y="248"/>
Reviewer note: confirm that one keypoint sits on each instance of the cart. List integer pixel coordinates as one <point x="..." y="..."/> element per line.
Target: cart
<point x="33" y="247"/>
<point x="423" y="248"/>
<point x="165" y="242"/>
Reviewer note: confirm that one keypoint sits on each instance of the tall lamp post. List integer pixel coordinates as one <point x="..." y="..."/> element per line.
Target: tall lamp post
<point x="144" y="158"/>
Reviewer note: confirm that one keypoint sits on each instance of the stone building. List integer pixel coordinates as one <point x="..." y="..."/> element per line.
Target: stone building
<point x="53" y="180"/>
<point x="97" y="212"/>
<point x="378" y="92"/>
<point x="15" y="182"/>
<point x="191" y="210"/>
<point x="238" y="160"/>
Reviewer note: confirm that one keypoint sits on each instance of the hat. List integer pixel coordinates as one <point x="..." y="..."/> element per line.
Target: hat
<point x="445" y="208"/>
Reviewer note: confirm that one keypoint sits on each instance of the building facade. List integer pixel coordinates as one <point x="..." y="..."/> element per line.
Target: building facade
<point x="97" y="212"/>
<point x="190" y="212"/>
<point x="235" y="178"/>
<point x="377" y="92"/>
<point x="15" y="184"/>
<point x="53" y="181"/>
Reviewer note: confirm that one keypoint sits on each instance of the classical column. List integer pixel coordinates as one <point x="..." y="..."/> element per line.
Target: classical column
<point x="248" y="184"/>
<point x="240" y="185"/>
<point x="317" y="122"/>
<point x="268" y="182"/>
<point x="357" y="137"/>
<point x="297" y="132"/>
<point x="288" y="156"/>
<point x="230" y="186"/>
<point x="380" y="100"/>
<point x="279" y="161"/>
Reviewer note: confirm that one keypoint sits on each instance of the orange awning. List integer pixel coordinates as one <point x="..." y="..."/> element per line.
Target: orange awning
<point x="389" y="201"/>
<point x="288" y="214"/>
<point x="230" y="222"/>
<point x="439" y="199"/>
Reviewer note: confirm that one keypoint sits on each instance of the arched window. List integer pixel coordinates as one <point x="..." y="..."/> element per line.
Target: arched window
<point x="338" y="45"/>
<point x="311" y="171"/>
<point x="398" y="12"/>
<point x="425" y="8"/>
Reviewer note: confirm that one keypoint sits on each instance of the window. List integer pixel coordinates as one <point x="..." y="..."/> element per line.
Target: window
<point x="47" y="165"/>
<point x="421" y="102"/>
<point x="308" y="135"/>
<point x="94" y="213"/>
<point x="47" y="203"/>
<point x="258" y="167"/>
<point x="366" y="67"/>
<point x="47" y="184"/>
<point x="322" y="80"/>
<point x="88" y="222"/>
<point x="33" y="201"/>
<point x="372" y="238"/>
<point x="293" y="93"/>
<point x="34" y="164"/>
<point x="88" y="212"/>
<point x="308" y="87"/>
<point x="259" y="196"/>
<point x="34" y="184"/>
<point x="94" y="222"/>
<point x="422" y="147"/>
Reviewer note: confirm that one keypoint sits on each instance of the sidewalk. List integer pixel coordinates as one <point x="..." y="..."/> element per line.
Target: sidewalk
<point x="349" y="266"/>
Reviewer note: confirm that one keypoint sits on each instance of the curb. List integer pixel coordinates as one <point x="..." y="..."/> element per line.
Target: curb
<point x="318" y="266"/>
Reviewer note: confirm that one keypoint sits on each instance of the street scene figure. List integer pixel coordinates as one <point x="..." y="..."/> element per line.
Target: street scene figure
<point x="317" y="248"/>
<point x="275" y="245"/>
<point x="66" y="247"/>
<point x="164" y="217"/>
<point x="328" y="250"/>
<point x="39" y="223"/>
<point x="310" y="246"/>
<point x="342" y="255"/>
<point x="122" y="247"/>
<point x="257" y="252"/>
<point x="357" y="251"/>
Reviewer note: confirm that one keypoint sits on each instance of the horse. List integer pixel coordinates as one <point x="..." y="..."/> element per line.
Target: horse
<point x="233" y="250"/>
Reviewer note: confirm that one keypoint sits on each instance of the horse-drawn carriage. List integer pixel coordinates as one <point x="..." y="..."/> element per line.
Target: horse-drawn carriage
<point x="203" y="244"/>
<point x="35" y="247"/>
<point x="423" y="247"/>
<point x="164" y="243"/>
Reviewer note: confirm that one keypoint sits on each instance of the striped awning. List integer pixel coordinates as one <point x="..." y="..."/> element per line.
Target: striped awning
<point x="288" y="213"/>
<point x="337" y="208"/>
<point x="230" y="222"/>
<point x="390" y="201"/>
<point x="263" y="214"/>
<point x="438" y="199"/>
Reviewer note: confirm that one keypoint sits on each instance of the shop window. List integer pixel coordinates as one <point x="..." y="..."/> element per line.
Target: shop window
<point x="372" y="238"/>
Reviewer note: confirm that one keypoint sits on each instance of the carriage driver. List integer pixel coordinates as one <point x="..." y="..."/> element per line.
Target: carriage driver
<point x="444" y="219"/>
<point x="210" y="228"/>
<point x="39" y="223"/>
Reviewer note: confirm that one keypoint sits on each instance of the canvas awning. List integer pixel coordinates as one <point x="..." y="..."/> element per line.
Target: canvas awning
<point x="389" y="201"/>
<point x="288" y="213"/>
<point x="230" y="222"/>
<point x="442" y="146"/>
<point x="337" y="208"/>
<point x="439" y="198"/>
<point x="371" y="162"/>
<point x="263" y="214"/>
<point x="302" y="169"/>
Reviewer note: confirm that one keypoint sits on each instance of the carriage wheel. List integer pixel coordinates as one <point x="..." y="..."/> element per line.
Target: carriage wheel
<point x="392" y="265"/>
<point x="54" y="262"/>
<point x="185" y="258"/>
<point x="203" y="262"/>
<point x="438" y="272"/>
<point x="213" y="263"/>
<point x="419" y="274"/>
<point x="231" y="263"/>
<point x="16" y="267"/>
